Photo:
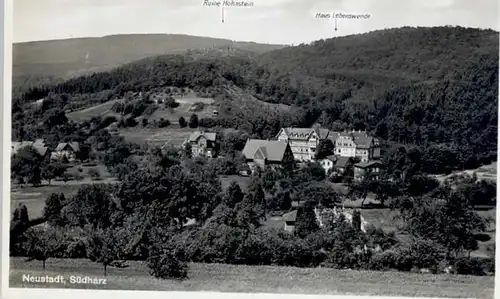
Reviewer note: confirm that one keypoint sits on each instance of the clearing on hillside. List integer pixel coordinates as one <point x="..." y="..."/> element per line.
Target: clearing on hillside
<point x="98" y="110"/>
<point x="188" y="105"/>
<point x="485" y="172"/>
<point x="156" y="136"/>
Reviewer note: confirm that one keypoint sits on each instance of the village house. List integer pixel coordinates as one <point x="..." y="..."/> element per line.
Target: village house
<point x="267" y="153"/>
<point x="203" y="144"/>
<point x="38" y="145"/>
<point x="357" y="144"/>
<point x="68" y="150"/>
<point x="290" y="219"/>
<point x="335" y="165"/>
<point x="303" y="141"/>
<point x="370" y="170"/>
<point x="324" y="216"/>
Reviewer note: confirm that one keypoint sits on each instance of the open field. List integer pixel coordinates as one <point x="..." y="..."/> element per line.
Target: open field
<point x="486" y="172"/>
<point x="263" y="279"/>
<point x="34" y="197"/>
<point x="103" y="109"/>
<point x="156" y="136"/>
<point x="185" y="103"/>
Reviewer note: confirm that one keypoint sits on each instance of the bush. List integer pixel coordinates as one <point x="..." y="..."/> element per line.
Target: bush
<point x="170" y="103"/>
<point x="166" y="264"/>
<point x="472" y="266"/>
<point x="163" y="123"/>
<point x="182" y="122"/>
<point x="130" y="122"/>
<point x="193" y="121"/>
<point x="94" y="174"/>
<point x="384" y="261"/>
<point x="150" y="110"/>
<point x="74" y="249"/>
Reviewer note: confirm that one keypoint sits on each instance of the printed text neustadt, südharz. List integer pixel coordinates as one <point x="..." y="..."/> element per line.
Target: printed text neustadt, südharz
<point x="59" y="279"/>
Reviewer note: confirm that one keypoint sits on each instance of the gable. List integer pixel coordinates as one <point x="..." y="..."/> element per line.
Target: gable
<point x="260" y="153"/>
<point x="282" y="134"/>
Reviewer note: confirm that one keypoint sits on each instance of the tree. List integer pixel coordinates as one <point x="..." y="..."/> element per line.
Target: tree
<point x="311" y="172"/>
<point x="285" y="201"/>
<point x="319" y="194"/>
<point x="107" y="246"/>
<point x="306" y="222"/>
<point x="324" y="149"/>
<point x="44" y="243"/>
<point x="356" y="220"/>
<point x="94" y="174"/>
<point x="54" y="117"/>
<point x="166" y="259"/>
<point x="53" y="208"/>
<point x="52" y="170"/>
<point x="23" y="214"/>
<point x="257" y="197"/>
<point x="182" y="122"/>
<point x="360" y="189"/>
<point x="425" y="218"/>
<point x="163" y="123"/>
<point x="91" y="205"/>
<point x="27" y="164"/>
<point x="170" y="102"/>
<point x="188" y="150"/>
<point x="233" y="195"/>
<point x="130" y="122"/>
<point x="193" y="121"/>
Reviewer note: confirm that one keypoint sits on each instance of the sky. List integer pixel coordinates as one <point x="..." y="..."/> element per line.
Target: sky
<point x="268" y="21"/>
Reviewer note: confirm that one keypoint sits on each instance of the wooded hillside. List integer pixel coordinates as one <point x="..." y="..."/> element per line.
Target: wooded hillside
<point x="52" y="61"/>
<point x="435" y="88"/>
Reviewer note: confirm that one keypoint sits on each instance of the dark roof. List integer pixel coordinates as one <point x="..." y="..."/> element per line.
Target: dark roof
<point x="332" y="135"/>
<point x="298" y="133"/>
<point x="271" y="150"/>
<point x="341" y="162"/>
<point x="368" y="164"/>
<point x="38" y="146"/>
<point x="322" y="133"/>
<point x="360" y="138"/>
<point x="332" y="158"/>
<point x="290" y="217"/>
<point x="197" y="134"/>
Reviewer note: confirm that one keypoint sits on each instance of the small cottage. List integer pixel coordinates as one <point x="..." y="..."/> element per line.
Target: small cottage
<point x="69" y="150"/>
<point x="290" y="219"/>
<point x="203" y="144"/>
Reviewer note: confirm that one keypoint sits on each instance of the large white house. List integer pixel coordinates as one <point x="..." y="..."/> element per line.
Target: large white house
<point x="357" y="144"/>
<point x="303" y="141"/>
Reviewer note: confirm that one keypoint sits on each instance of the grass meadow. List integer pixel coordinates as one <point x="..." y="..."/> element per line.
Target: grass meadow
<point x="97" y="110"/>
<point x="156" y="136"/>
<point x="261" y="279"/>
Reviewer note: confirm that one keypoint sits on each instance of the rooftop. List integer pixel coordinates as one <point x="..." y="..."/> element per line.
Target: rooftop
<point x="271" y="150"/>
<point x="197" y="134"/>
<point x="290" y="216"/>
<point x="368" y="164"/>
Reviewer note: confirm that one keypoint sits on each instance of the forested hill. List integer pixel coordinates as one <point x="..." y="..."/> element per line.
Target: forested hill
<point x="436" y="88"/>
<point x="49" y="61"/>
